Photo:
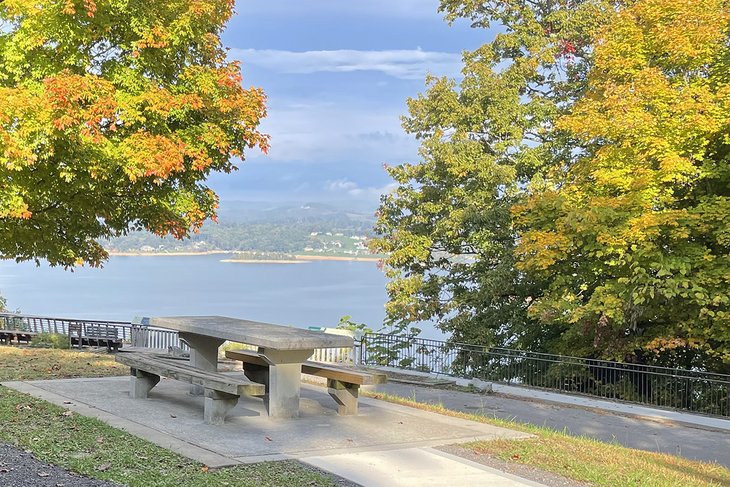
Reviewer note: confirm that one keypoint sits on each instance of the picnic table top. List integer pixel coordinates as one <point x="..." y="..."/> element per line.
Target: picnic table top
<point x="256" y="333"/>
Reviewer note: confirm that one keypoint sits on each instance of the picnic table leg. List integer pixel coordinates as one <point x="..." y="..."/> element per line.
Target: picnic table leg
<point x="285" y="379"/>
<point x="141" y="384"/>
<point x="345" y="394"/>
<point x="203" y="355"/>
<point x="217" y="404"/>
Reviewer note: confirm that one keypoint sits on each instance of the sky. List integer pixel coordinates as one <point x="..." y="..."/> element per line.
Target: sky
<point x="337" y="74"/>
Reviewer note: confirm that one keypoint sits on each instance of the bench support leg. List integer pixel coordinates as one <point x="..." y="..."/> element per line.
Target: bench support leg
<point x="257" y="373"/>
<point x="203" y="356"/>
<point x="345" y="394"/>
<point x="285" y="379"/>
<point x="217" y="405"/>
<point x="141" y="383"/>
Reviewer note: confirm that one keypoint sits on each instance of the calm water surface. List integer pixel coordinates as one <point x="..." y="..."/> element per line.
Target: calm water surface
<point x="312" y="294"/>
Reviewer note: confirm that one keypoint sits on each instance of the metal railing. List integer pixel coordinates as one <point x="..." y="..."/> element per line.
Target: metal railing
<point x="691" y="390"/>
<point x="137" y="335"/>
<point x="154" y="337"/>
<point x="334" y="355"/>
<point x="45" y="324"/>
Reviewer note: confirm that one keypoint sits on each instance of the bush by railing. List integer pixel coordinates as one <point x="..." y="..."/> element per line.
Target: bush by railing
<point x="697" y="391"/>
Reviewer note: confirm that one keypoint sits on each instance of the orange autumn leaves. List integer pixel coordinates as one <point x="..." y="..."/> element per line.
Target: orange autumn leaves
<point x="90" y="110"/>
<point x="112" y="115"/>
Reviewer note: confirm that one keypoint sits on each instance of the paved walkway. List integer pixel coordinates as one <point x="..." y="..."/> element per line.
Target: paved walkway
<point x="385" y="445"/>
<point x="414" y="467"/>
<point x="688" y="435"/>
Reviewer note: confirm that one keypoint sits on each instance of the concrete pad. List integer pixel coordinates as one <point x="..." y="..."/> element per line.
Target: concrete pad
<point x="172" y="418"/>
<point x="414" y="467"/>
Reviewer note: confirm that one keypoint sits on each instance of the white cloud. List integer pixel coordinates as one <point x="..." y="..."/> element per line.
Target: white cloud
<point x="341" y="185"/>
<point x="343" y="133"/>
<point x="411" y="64"/>
<point x="353" y="189"/>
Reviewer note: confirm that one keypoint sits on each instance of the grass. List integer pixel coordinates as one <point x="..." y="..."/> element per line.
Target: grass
<point x="36" y="364"/>
<point x="91" y="447"/>
<point x="584" y="459"/>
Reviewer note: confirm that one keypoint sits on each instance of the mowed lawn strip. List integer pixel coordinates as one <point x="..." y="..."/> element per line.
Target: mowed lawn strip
<point x="91" y="447"/>
<point x="18" y="363"/>
<point x="584" y="459"/>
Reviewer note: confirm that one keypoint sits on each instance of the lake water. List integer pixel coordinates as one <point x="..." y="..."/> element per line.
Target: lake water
<point x="312" y="294"/>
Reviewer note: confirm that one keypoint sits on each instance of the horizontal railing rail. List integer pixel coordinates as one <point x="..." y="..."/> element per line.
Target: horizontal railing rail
<point x="691" y="390"/>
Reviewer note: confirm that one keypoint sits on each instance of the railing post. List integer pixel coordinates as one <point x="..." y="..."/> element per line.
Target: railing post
<point x="140" y="334"/>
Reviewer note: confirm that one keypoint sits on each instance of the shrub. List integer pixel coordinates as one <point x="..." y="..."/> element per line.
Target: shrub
<point x="50" y="340"/>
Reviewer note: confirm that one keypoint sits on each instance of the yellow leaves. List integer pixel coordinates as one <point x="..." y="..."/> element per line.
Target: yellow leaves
<point x="540" y="249"/>
<point x="651" y="225"/>
<point x="663" y="344"/>
<point x="24" y="114"/>
<point x="675" y="168"/>
<point x="158" y="102"/>
<point x="651" y="110"/>
<point x="89" y="6"/>
<point x="155" y="38"/>
<point x="13" y="205"/>
<point x="199" y="157"/>
<point x="683" y="33"/>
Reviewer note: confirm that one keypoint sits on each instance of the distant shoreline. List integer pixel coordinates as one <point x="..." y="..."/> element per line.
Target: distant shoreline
<point x="265" y="261"/>
<point x="298" y="259"/>
<point x="338" y="257"/>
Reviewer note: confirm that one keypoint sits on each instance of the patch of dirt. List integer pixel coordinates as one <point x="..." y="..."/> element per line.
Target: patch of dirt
<point x="21" y="469"/>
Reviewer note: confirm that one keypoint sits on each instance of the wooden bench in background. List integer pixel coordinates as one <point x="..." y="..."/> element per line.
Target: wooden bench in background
<point x="94" y="336"/>
<point x="221" y="391"/>
<point x="343" y="384"/>
<point x="7" y="336"/>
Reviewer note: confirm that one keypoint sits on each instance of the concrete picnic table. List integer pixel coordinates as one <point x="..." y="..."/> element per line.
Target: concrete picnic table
<point x="284" y="348"/>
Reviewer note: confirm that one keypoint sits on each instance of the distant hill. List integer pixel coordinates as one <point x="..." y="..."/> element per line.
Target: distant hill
<point x="253" y="226"/>
<point x="246" y="212"/>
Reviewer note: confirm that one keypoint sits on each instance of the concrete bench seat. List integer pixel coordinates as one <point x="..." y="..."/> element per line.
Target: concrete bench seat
<point x="221" y="391"/>
<point x="343" y="384"/>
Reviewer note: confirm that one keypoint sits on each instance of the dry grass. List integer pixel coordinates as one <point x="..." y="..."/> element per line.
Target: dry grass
<point x="584" y="459"/>
<point x="36" y="363"/>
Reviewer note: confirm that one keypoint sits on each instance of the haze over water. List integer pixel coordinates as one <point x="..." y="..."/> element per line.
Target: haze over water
<point x="312" y="294"/>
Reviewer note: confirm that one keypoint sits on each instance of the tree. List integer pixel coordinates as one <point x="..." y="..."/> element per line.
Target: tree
<point x="635" y="227"/>
<point x="573" y="194"/>
<point x="112" y="115"/>
<point x="448" y="227"/>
